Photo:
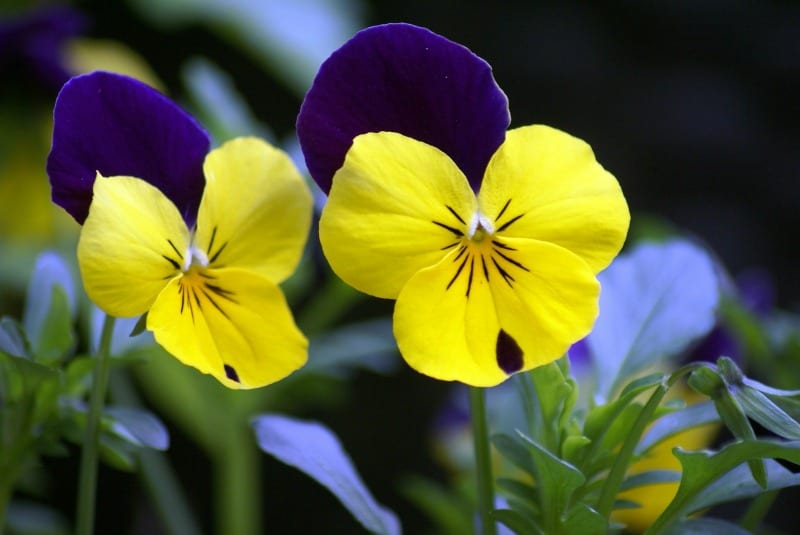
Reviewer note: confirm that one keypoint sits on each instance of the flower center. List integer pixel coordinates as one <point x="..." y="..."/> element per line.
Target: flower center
<point x="194" y="258"/>
<point x="479" y="227"/>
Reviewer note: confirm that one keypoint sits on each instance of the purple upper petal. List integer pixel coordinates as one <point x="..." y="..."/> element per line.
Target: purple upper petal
<point x="405" y="79"/>
<point x="119" y="126"/>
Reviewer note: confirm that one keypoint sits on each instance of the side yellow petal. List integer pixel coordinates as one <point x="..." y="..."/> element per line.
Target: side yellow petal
<point x="256" y="209"/>
<point x="444" y="333"/>
<point x="230" y="323"/>
<point x="396" y="206"/>
<point x="546" y="185"/>
<point x="131" y="244"/>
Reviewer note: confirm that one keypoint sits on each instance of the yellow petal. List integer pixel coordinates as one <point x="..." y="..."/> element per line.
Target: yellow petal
<point x="396" y="206"/>
<point x="491" y="310"/>
<point x="256" y="209"/>
<point x="229" y="323"/>
<point x="130" y="245"/>
<point x="546" y="185"/>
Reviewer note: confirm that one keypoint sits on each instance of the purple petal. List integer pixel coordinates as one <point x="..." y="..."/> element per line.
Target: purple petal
<point x="119" y="126"/>
<point x="406" y="79"/>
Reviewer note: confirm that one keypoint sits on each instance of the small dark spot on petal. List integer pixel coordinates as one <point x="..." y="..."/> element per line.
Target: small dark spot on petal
<point x="231" y="374"/>
<point x="508" y="352"/>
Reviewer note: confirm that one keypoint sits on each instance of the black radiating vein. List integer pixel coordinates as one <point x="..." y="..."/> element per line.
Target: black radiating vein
<point x="508" y="278"/>
<point x="446" y="247"/>
<point x="447" y="227"/>
<point x="222" y="292"/>
<point x="171" y="261"/>
<point x="471" y="269"/>
<point x="216" y="305"/>
<point x="503" y="246"/>
<point x="455" y="214"/>
<point x="509" y="222"/>
<point x="460" y="253"/>
<point x="485" y="269"/>
<point x="189" y="300"/>
<point x="177" y="252"/>
<point x="458" y="272"/>
<point x="211" y="241"/>
<point x="507" y="259"/>
<point x="183" y="296"/>
<point x="216" y="255"/>
<point x="503" y="210"/>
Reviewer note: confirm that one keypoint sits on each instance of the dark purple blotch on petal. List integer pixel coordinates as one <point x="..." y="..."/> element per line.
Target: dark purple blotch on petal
<point x="117" y="125"/>
<point x="230" y="373"/>
<point x="508" y="353"/>
<point x="406" y="79"/>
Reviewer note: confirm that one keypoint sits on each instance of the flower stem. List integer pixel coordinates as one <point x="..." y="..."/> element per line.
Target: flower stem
<point x="483" y="466"/>
<point x="87" y="482"/>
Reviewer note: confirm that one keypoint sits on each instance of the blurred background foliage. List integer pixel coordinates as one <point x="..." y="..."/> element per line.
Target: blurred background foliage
<point x="691" y="104"/>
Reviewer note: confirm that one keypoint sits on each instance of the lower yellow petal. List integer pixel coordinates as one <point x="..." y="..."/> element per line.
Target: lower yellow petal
<point x="229" y="323"/>
<point x="494" y="308"/>
<point x="395" y="207"/>
<point x="547" y="185"/>
<point x="130" y="245"/>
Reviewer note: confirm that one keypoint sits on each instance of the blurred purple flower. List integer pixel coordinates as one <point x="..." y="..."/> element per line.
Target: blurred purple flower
<point x="34" y="42"/>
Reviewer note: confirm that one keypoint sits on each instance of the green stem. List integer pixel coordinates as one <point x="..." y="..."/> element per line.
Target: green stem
<point x="238" y="483"/>
<point x="483" y="462"/>
<point x="87" y="483"/>
<point x="757" y="510"/>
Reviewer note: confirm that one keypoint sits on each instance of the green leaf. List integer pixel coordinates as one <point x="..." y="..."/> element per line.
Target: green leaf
<point x="117" y="453"/>
<point x="655" y="301"/>
<point x="517" y="522"/>
<point x="761" y="409"/>
<point x="556" y="480"/>
<point x="12" y="338"/>
<point x="675" y="422"/>
<point x="706" y="526"/>
<point x="137" y="427"/>
<point x="55" y="337"/>
<point x="738" y="484"/>
<point x="584" y="520"/>
<point x="28" y="518"/>
<point x="313" y="449"/>
<point x="512" y="449"/>
<point x="49" y="308"/>
<point x="650" y="477"/>
<point x="449" y="513"/>
<point x="368" y="344"/>
<point x="519" y="489"/>
<point x="701" y="469"/>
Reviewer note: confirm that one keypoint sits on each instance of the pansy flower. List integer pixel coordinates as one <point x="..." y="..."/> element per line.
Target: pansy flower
<point x="489" y="240"/>
<point x="197" y="240"/>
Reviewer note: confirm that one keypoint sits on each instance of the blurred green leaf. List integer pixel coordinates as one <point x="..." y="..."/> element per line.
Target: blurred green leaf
<point x="706" y="526"/>
<point x="369" y="345"/>
<point x="584" y="520"/>
<point x="50" y="308"/>
<point x="655" y="301"/>
<point x="649" y="477"/>
<point x="512" y="449"/>
<point x="117" y="453"/>
<point x="761" y="409"/>
<point x="293" y="38"/>
<point x="288" y="440"/>
<point x="138" y="427"/>
<point x="12" y="338"/>
<point x="449" y="514"/>
<point x="28" y="518"/>
<point x="516" y="521"/>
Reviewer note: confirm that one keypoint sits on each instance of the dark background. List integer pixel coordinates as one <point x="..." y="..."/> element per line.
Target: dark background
<point x="693" y="105"/>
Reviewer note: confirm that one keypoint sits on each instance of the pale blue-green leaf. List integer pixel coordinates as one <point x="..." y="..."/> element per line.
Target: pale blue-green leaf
<point x="706" y="526"/>
<point x="761" y="409"/>
<point x="121" y="339"/>
<point x="700" y="469"/>
<point x="368" y="344"/>
<point x="49" y="271"/>
<point x="138" y="427"/>
<point x="315" y="450"/>
<point x="766" y="389"/>
<point x="56" y="337"/>
<point x="655" y="301"/>
<point x="28" y="518"/>
<point x="12" y="338"/>
<point x="219" y="105"/>
<point x="293" y="38"/>
<point x="673" y="423"/>
<point x="738" y="484"/>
